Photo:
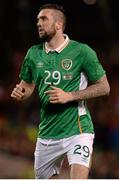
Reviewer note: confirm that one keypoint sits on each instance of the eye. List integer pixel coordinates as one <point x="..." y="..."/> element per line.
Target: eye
<point x="43" y="18"/>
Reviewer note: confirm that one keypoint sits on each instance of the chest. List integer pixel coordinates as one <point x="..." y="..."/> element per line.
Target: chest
<point x="57" y="69"/>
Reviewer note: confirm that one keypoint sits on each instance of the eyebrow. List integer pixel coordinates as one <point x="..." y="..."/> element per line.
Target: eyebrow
<point x="41" y="17"/>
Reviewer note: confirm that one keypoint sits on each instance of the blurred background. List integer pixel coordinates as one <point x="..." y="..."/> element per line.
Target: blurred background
<point x="96" y="24"/>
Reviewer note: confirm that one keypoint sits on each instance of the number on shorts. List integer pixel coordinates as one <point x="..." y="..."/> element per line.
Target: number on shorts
<point x="79" y="149"/>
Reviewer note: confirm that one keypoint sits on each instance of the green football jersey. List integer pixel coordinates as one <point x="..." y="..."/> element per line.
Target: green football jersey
<point x="71" y="70"/>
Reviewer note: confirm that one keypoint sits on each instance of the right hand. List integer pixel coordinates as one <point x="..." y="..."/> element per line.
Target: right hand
<point x="18" y="93"/>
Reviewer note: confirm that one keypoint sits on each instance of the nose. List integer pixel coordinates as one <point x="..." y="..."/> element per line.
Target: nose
<point x="38" y="24"/>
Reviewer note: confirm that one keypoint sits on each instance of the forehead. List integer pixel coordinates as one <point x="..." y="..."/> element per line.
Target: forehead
<point x="46" y="12"/>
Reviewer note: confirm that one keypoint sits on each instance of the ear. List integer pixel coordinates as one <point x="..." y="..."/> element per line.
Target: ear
<point x="58" y="25"/>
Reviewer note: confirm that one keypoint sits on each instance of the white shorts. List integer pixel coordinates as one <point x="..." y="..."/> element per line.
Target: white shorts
<point x="49" y="153"/>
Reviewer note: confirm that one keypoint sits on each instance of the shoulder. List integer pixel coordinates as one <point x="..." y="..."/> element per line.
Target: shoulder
<point x="75" y="43"/>
<point x="87" y="49"/>
<point x="83" y="47"/>
<point x="36" y="47"/>
<point x="34" y="51"/>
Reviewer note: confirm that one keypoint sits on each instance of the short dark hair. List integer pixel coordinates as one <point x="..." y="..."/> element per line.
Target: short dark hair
<point x="52" y="6"/>
<point x="55" y="7"/>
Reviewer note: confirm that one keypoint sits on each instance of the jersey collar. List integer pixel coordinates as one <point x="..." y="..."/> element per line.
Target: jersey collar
<point x="60" y="48"/>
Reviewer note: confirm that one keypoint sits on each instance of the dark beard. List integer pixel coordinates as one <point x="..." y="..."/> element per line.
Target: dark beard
<point x="47" y="37"/>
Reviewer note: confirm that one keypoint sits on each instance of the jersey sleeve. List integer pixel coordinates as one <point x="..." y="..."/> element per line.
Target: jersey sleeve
<point x="25" y="72"/>
<point x="91" y="65"/>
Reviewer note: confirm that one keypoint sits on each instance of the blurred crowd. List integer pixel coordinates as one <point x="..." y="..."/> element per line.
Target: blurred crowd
<point x="19" y="121"/>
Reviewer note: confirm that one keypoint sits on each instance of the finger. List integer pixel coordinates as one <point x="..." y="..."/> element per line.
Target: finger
<point x="50" y="92"/>
<point x="18" y="90"/>
<point x="19" y="87"/>
<point x="54" y="101"/>
<point x="53" y="95"/>
<point x="53" y="98"/>
<point x="55" y="88"/>
<point x="16" y="94"/>
<point x="13" y="96"/>
<point x="16" y="97"/>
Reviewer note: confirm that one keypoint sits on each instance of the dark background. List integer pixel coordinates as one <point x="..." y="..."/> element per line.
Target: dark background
<point x="96" y="25"/>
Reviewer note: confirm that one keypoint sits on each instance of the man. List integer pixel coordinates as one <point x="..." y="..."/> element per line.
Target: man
<point x="60" y="69"/>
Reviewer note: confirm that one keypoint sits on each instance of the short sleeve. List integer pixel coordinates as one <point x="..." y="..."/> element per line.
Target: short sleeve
<point x="91" y="65"/>
<point x="25" y="72"/>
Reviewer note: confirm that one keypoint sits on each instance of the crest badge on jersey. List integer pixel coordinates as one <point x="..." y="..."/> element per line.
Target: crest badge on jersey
<point x="66" y="64"/>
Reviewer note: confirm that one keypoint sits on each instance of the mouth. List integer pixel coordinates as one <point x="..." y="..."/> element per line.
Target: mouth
<point x="40" y="31"/>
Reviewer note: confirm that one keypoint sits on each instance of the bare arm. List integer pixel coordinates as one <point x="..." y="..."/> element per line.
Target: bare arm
<point x="99" y="88"/>
<point x="23" y="90"/>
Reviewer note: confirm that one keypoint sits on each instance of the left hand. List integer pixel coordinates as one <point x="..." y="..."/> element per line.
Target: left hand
<point x="57" y="95"/>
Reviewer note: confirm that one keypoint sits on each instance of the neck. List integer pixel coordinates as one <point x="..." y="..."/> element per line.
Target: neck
<point x="56" y="41"/>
